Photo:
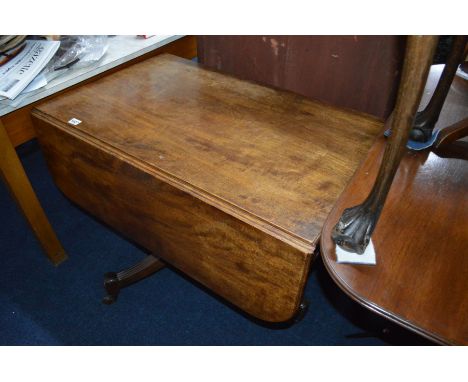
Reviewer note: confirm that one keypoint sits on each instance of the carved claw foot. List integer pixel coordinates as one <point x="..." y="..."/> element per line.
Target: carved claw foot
<point x="354" y="228"/>
<point x="420" y="135"/>
<point x="422" y="128"/>
<point x="426" y="120"/>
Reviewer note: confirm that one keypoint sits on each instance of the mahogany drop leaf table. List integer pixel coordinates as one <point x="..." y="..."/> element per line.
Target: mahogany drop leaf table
<point x="226" y="180"/>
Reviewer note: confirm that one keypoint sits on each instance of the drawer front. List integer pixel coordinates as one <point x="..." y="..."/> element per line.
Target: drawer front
<point x="256" y="272"/>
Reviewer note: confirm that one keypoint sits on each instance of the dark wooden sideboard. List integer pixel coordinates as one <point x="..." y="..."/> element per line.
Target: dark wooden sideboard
<point x="357" y="72"/>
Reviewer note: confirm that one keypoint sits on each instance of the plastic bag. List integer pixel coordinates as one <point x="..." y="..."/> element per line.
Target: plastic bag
<point x="79" y="51"/>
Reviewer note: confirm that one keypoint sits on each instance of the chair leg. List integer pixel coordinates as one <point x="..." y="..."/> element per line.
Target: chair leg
<point x="353" y="230"/>
<point x="426" y="119"/>
<point x="451" y="133"/>
<point x="17" y="181"/>
<point x="114" y="282"/>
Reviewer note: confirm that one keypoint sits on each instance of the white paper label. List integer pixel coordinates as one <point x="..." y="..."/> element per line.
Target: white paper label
<point x="367" y="258"/>
<point x="74" y="121"/>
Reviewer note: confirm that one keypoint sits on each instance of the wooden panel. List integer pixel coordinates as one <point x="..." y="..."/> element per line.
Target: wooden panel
<point x="271" y="158"/>
<point x="18" y="123"/>
<point x="358" y="72"/>
<point x="421" y="239"/>
<point x="255" y="271"/>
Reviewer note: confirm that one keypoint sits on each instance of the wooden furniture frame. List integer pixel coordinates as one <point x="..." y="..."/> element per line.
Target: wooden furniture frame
<point x="226" y="180"/>
<point x="114" y="282"/>
<point x="260" y="243"/>
<point x="18" y="183"/>
<point x="355" y="227"/>
<point x="420" y="280"/>
<point x="16" y="128"/>
<point x="426" y="119"/>
<point x="344" y="71"/>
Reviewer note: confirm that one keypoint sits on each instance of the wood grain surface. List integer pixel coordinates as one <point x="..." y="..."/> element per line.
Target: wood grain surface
<point x="358" y="72"/>
<point x="12" y="173"/>
<point x="258" y="273"/>
<point x="270" y="157"/>
<point x="18" y="123"/>
<point x="228" y="181"/>
<point x="353" y="230"/>
<point x="421" y="239"/>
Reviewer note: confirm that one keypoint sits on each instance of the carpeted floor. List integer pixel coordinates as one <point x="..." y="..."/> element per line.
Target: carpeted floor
<point x="44" y="305"/>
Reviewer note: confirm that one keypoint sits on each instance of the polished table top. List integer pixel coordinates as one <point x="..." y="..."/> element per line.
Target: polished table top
<point x="421" y="239"/>
<point x="269" y="157"/>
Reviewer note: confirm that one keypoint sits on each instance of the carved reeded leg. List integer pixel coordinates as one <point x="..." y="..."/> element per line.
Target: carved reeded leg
<point x="353" y="230"/>
<point x="113" y="282"/>
<point x="426" y="119"/>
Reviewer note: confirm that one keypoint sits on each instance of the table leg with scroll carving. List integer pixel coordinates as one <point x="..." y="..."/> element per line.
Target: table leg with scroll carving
<point x="426" y="119"/>
<point x="353" y="230"/>
<point x="113" y="282"/>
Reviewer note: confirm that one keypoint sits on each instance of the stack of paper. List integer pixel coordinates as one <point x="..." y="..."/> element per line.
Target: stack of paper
<point x="20" y="71"/>
<point x="8" y="44"/>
